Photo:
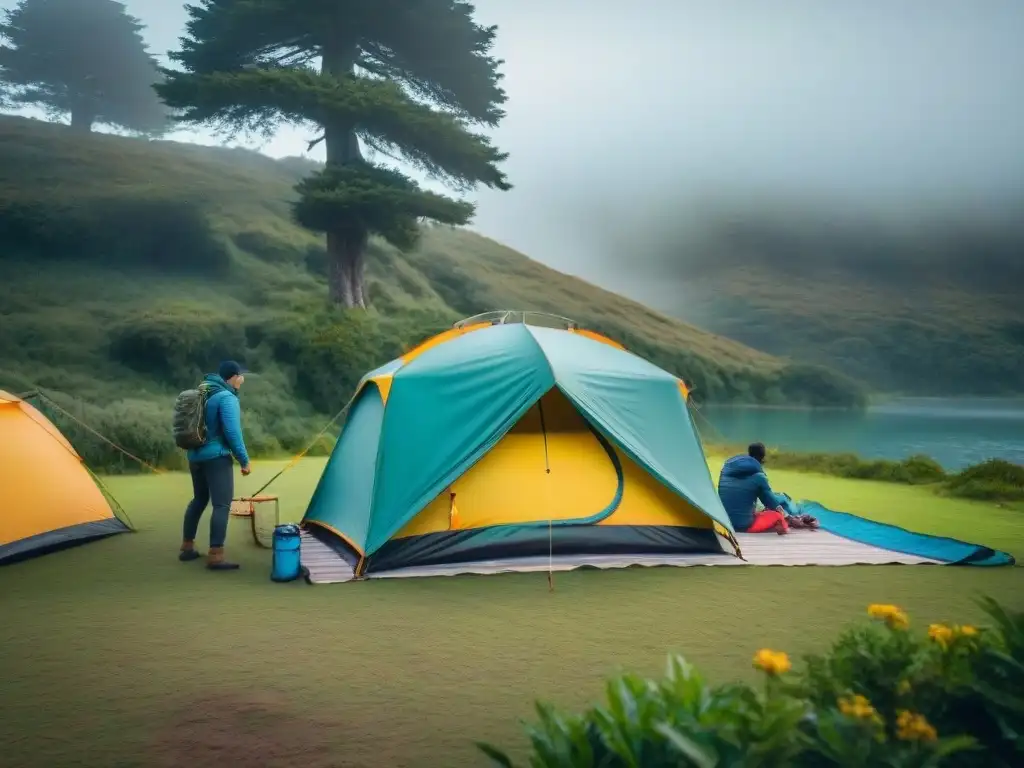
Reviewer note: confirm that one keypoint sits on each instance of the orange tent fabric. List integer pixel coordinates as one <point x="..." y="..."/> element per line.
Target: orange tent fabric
<point x="49" y="498"/>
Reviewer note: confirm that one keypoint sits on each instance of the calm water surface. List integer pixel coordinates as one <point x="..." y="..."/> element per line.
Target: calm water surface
<point x="956" y="432"/>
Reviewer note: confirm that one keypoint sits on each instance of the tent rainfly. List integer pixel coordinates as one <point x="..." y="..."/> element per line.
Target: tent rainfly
<point x="50" y="500"/>
<point x="497" y="441"/>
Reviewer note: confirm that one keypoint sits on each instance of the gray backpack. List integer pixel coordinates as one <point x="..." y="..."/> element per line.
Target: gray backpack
<point x="189" y="424"/>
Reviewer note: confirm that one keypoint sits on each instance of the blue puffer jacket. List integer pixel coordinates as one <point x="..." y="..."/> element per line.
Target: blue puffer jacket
<point x="740" y="485"/>
<point x="223" y="423"/>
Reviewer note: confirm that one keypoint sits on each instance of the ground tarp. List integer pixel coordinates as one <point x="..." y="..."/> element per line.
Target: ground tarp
<point x="844" y="539"/>
<point x="895" y="539"/>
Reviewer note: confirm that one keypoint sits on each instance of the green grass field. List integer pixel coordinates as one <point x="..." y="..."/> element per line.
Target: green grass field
<point x="116" y="654"/>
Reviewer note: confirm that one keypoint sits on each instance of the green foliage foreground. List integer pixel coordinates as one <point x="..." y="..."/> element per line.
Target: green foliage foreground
<point x="882" y="695"/>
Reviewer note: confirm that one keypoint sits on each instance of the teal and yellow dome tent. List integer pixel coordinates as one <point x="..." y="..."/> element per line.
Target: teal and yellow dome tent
<point x="500" y="440"/>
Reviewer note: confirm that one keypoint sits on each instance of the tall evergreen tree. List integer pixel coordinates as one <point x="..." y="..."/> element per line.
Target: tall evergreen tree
<point x="403" y="79"/>
<point x="83" y="58"/>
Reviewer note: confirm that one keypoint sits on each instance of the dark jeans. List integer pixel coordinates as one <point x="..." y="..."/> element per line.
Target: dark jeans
<point x="212" y="480"/>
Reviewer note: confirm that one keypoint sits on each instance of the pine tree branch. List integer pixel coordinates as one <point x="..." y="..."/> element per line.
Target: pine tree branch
<point x="433" y="48"/>
<point x="253" y="99"/>
<point x="362" y="198"/>
<point x="224" y="36"/>
<point x="388" y="64"/>
<point x="376" y="147"/>
<point x="437" y="50"/>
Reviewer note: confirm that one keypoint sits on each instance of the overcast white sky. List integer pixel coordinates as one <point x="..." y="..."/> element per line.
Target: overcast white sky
<point x="614" y="106"/>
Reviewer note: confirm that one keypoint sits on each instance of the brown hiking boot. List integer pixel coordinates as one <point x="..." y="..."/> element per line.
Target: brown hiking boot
<point x="215" y="560"/>
<point x="188" y="552"/>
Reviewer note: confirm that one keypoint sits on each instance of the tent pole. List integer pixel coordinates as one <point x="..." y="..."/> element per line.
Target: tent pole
<point x="547" y="498"/>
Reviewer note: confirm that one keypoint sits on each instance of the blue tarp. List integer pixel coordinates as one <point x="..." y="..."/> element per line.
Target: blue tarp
<point x="896" y="539"/>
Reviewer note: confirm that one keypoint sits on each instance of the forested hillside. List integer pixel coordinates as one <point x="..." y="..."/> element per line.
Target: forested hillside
<point x="926" y="306"/>
<point x="131" y="266"/>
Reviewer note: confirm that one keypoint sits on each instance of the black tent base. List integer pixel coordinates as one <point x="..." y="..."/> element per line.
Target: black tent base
<point x="62" y="538"/>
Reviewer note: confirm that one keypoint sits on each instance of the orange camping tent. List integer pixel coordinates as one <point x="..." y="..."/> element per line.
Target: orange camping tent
<point x="50" y="501"/>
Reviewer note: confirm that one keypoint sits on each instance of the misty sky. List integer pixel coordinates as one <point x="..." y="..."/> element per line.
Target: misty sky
<point x="622" y="113"/>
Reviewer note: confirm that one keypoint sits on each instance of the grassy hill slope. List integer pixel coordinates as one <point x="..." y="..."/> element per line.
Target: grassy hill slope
<point x="131" y="266"/>
<point x="931" y="307"/>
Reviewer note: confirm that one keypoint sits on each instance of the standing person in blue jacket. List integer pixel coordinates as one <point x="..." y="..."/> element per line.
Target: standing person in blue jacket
<point x="741" y="484"/>
<point x="212" y="467"/>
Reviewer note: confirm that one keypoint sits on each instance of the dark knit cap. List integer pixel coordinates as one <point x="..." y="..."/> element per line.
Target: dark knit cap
<point x="230" y="368"/>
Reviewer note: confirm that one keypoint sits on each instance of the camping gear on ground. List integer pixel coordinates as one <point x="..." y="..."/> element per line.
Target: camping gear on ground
<point x="806" y="522"/>
<point x="287" y="559"/>
<point x="264" y="514"/>
<point x="189" y="422"/>
<point x="515" y="441"/>
<point x="50" y="499"/>
<point x="842" y="540"/>
<point x="795" y="516"/>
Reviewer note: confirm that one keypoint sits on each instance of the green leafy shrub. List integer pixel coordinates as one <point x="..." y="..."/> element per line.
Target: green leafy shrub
<point x="962" y="680"/>
<point x="119" y="231"/>
<point x="275" y="423"/>
<point x="271" y="247"/>
<point x="993" y="480"/>
<point x="315" y="259"/>
<point x="921" y="470"/>
<point x="176" y="341"/>
<point x="882" y="695"/>
<point x="330" y="352"/>
<point x="139" y="427"/>
<point x="914" y="470"/>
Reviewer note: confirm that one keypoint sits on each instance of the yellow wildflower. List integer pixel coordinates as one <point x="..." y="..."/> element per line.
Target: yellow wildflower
<point x="903" y="687"/>
<point x="859" y="708"/>
<point x="773" y="662"/>
<point x="941" y="634"/>
<point x="890" y="614"/>
<point x="898" y="620"/>
<point x="879" y="611"/>
<point x="914" y="727"/>
<point x="945" y="635"/>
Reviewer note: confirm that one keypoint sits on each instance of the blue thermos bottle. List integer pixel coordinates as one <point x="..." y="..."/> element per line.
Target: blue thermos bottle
<point x="287" y="564"/>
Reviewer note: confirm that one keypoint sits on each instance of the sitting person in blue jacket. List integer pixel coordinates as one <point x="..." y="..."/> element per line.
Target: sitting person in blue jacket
<point x="742" y="484"/>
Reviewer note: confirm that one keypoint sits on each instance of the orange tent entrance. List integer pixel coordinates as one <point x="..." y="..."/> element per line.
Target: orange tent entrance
<point x="49" y="499"/>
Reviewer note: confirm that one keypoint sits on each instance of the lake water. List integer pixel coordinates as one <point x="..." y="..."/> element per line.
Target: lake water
<point x="955" y="432"/>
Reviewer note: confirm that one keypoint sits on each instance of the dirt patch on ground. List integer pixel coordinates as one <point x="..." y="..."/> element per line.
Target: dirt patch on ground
<point x="255" y="730"/>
